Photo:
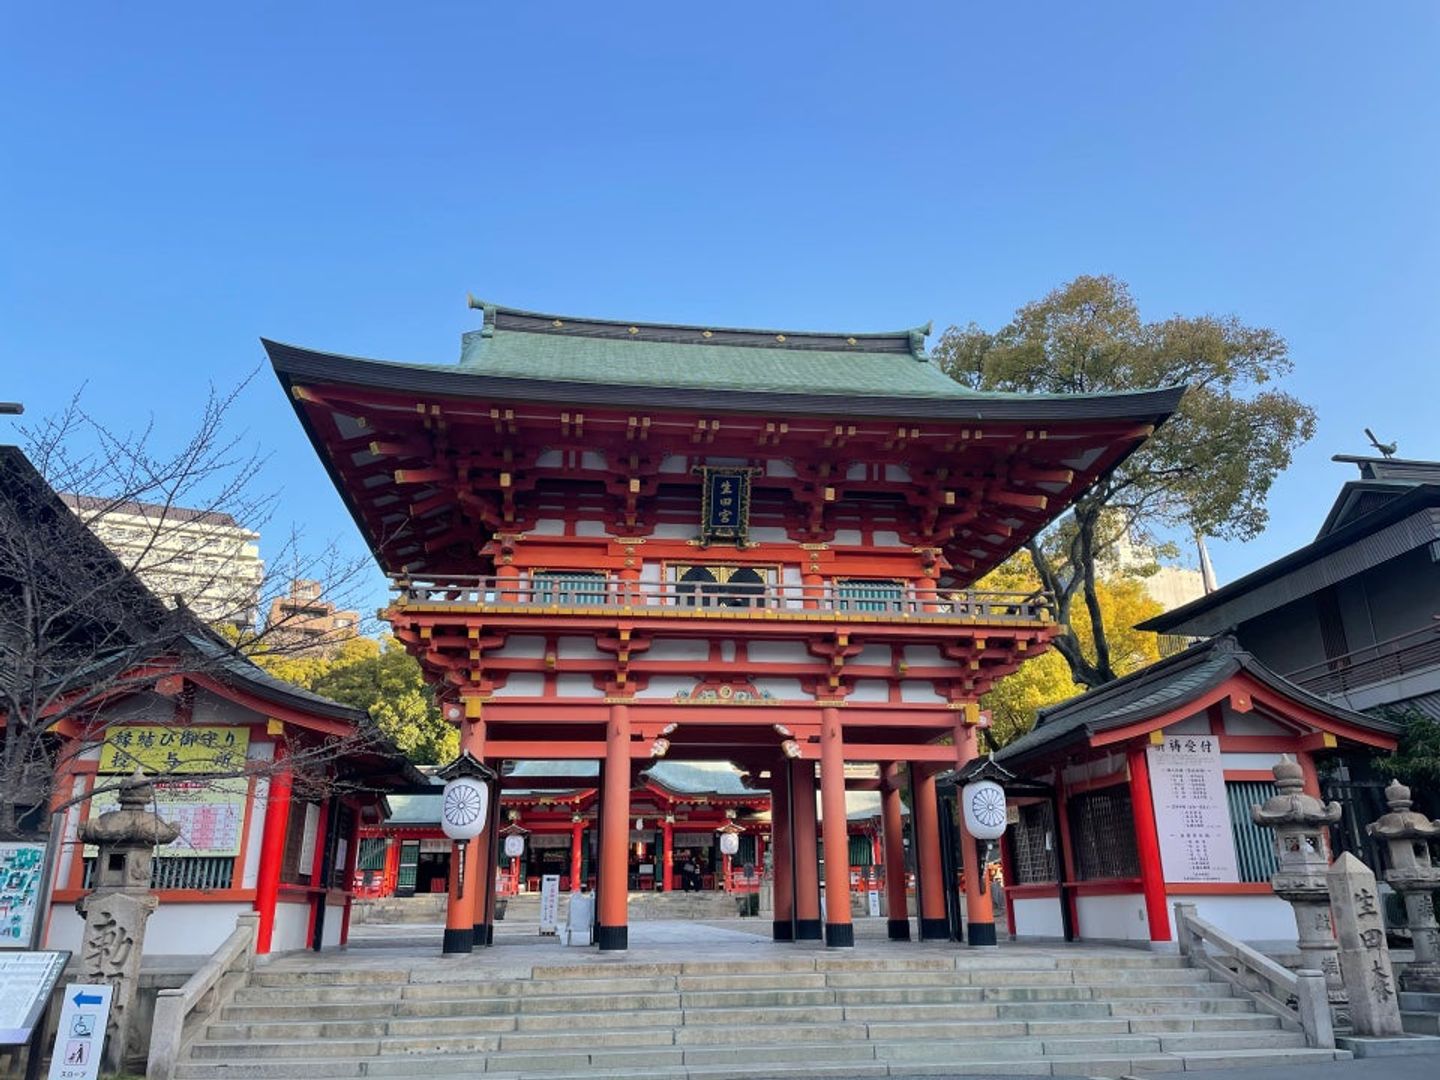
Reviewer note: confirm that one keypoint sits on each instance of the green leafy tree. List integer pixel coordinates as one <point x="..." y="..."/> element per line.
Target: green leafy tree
<point x="383" y="679"/>
<point x="1207" y="471"/>
<point x="1416" y="760"/>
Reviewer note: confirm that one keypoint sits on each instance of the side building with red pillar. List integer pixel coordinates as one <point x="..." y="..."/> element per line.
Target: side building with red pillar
<point x="621" y="542"/>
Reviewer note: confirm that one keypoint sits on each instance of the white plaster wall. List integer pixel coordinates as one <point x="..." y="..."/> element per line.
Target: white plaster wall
<point x="779" y="652"/>
<point x="547" y="527"/>
<point x="522" y="684"/>
<point x="870" y="690"/>
<point x="922" y="656"/>
<point x="522" y="646"/>
<point x="776" y="467"/>
<point x="1249" y="724"/>
<point x="550" y="459"/>
<point x="250" y="872"/>
<point x="334" y="920"/>
<point x="1250" y="918"/>
<point x="1038" y="916"/>
<point x="1249" y="761"/>
<point x="291" y="923"/>
<point x="847" y="536"/>
<point x="578" y="648"/>
<point x="781" y="689"/>
<point x="897" y="472"/>
<point x="856" y="471"/>
<point x="590" y="527"/>
<point x="678" y="649"/>
<point x="672" y="531"/>
<point x="873" y="654"/>
<point x="173" y="930"/>
<point x="888" y="538"/>
<point x="674" y="463"/>
<point x="578" y="686"/>
<point x="71" y="830"/>
<point x="727" y="651"/>
<point x="589" y="459"/>
<point x="768" y="534"/>
<point x="650" y="573"/>
<point x="919" y="691"/>
<point x="1120" y="918"/>
<point x="667" y="686"/>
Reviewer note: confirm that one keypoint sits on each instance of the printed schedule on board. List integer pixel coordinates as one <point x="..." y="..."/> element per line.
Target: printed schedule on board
<point x="1187" y="786"/>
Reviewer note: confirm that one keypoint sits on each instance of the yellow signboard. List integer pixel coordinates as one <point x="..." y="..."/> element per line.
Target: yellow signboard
<point x="162" y="749"/>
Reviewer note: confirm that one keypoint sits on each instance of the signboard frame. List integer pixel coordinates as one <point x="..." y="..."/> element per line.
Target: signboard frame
<point x="31" y="1033"/>
<point x="549" y="903"/>
<point x="41" y="906"/>
<point x="80" y="1032"/>
<point x="1192" y="813"/>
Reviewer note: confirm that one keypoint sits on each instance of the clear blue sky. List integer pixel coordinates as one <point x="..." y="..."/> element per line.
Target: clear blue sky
<point x="180" y="179"/>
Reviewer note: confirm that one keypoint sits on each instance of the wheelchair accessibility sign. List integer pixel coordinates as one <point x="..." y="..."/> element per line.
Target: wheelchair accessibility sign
<point x="80" y="1035"/>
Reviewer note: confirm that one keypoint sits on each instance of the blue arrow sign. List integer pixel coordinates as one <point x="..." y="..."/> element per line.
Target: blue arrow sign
<point x="87" y="999"/>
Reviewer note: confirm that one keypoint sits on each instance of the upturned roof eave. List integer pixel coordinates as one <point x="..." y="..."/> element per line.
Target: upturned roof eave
<point x="296" y="365"/>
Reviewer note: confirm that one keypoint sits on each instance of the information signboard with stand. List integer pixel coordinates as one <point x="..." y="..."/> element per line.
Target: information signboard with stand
<point x="80" y="1034"/>
<point x="549" y="903"/>
<point x="27" y="981"/>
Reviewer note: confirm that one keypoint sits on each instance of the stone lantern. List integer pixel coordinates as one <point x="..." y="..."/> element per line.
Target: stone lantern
<point x="1302" y="854"/>
<point x="120" y="902"/>
<point x="1411" y="874"/>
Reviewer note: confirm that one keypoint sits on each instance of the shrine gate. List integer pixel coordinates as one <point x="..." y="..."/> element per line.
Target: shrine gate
<point x="620" y="541"/>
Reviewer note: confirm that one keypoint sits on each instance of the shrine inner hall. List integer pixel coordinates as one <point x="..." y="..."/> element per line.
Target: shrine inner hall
<point x="618" y="542"/>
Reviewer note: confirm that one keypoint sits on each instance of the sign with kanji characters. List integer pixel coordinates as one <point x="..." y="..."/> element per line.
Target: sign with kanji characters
<point x="1192" y="816"/>
<point x="173" y="748"/>
<point x="209" y="814"/>
<point x="26" y="981"/>
<point x="725" y="505"/>
<point x="80" y="1035"/>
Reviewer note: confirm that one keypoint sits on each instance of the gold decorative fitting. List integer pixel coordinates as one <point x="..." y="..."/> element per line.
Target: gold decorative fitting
<point x="849" y="341"/>
<point x="557" y="322"/>
<point x="634" y="329"/>
<point x="706" y="334"/>
<point x="779" y="337"/>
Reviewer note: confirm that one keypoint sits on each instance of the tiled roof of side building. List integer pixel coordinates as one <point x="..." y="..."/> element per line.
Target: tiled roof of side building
<point x="1159" y="688"/>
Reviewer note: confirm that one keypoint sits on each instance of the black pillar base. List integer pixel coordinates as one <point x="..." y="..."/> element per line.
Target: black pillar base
<point x="458" y="941"/>
<point x="807" y="930"/>
<point x="934" y="929"/>
<point x="980" y="933"/>
<point x="613" y="938"/>
<point x="840" y="935"/>
<point x="782" y="930"/>
<point x="484" y="935"/>
<point x="899" y="929"/>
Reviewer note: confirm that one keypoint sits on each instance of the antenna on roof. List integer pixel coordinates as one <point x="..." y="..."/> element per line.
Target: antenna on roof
<point x="1387" y="449"/>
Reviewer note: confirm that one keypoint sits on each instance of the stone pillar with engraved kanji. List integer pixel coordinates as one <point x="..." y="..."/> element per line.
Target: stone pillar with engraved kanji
<point x="1302" y="855"/>
<point x="1414" y="876"/>
<point x="1364" y="954"/>
<point x="116" y="909"/>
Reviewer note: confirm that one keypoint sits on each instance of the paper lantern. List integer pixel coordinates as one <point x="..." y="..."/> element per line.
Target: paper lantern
<point x="514" y="846"/>
<point x="984" y="807"/>
<point x="463" y="808"/>
<point x="729" y="843"/>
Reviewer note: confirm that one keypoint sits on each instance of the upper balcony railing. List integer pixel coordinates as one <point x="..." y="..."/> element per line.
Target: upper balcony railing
<point x="1407" y="654"/>
<point x="864" y="601"/>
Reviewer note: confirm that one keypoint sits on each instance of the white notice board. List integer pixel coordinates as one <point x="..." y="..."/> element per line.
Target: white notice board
<point x="549" y="903"/>
<point x="1192" y="816"/>
<point x="26" y="980"/>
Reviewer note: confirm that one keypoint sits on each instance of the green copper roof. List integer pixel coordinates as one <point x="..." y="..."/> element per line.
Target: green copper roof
<point x="527" y="345"/>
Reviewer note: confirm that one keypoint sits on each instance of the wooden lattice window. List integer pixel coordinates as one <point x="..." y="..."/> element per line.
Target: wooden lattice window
<point x="856" y="594"/>
<point x="1034" y="846"/>
<point x="1102" y="832"/>
<point x="1254" y="846"/>
<point x="574" y="587"/>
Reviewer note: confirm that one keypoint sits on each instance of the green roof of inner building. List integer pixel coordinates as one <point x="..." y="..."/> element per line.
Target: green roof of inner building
<point x="529" y="345"/>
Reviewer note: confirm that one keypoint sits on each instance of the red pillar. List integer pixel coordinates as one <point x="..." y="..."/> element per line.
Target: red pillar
<point x="783" y="881"/>
<point x="1147" y="844"/>
<point x="979" y="908"/>
<point x="839" y="929"/>
<point x="894" y="854"/>
<point x="807" y="873"/>
<point x="615" y="838"/>
<point x="577" y="854"/>
<point x="352" y="859"/>
<point x="479" y="876"/>
<point x="876" y="855"/>
<point x="934" y="926"/>
<point x="272" y="848"/>
<point x="667" y="855"/>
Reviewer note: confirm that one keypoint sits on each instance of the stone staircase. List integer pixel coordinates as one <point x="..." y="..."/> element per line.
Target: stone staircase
<point x="931" y="1012"/>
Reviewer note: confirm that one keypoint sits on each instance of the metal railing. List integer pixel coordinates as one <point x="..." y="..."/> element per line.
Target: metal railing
<point x="1297" y="997"/>
<point x="1419" y="650"/>
<point x="234" y="957"/>
<point x="602" y="593"/>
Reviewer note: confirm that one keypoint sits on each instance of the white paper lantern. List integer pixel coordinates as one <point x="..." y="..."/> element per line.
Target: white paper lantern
<point x="729" y="843"/>
<point x="984" y="807"/>
<point x="463" y="808"/>
<point x="514" y="846"/>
